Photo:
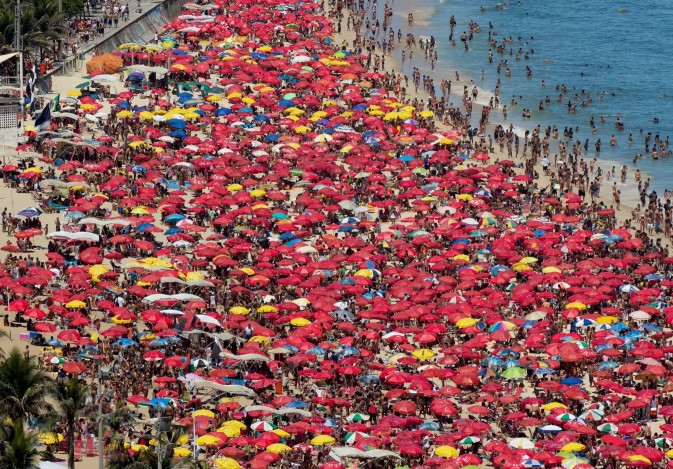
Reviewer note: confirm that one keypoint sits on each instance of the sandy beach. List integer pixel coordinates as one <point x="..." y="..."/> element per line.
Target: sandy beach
<point x="391" y="277"/>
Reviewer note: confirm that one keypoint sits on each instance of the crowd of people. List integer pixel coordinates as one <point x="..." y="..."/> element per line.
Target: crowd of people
<point x="295" y="264"/>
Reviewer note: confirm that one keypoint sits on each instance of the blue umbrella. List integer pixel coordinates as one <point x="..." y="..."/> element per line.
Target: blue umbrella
<point x="571" y="381"/>
<point x="261" y="118"/>
<point x="345" y="229"/>
<point x="174" y="218"/>
<point x="296" y="405"/>
<point x="245" y="109"/>
<point x="125" y="343"/>
<point x="74" y="215"/>
<point x="177" y="123"/>
<point x="144" y="227"/>
<point x="172" y="230"/>
<point x="30" y="212"/>
<point x="181" y="134"/>
<point x="157" y="402"/>
<point x="272" y="137"/>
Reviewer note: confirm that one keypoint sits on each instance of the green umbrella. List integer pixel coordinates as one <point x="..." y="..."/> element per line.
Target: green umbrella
<point x="607" y="428"/>
<point x="289" y="96"/>
<point x="422" y="171"/>
<point x="470" y="440"/>
<point x="514" y="373"/>
<point x="83" y="85"/>
<point x="297" y="171"/>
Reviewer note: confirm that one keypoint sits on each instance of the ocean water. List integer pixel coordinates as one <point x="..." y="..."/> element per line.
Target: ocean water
<point x="619" y="50"/>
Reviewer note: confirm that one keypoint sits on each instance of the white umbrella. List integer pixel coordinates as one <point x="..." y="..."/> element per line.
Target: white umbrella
<point x="521" y="443"/>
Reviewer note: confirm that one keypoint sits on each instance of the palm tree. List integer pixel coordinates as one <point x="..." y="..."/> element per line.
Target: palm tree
<point x="69" y="397"/>
<point x="18" y="450"/>
<point x="41" y="24"/>
<point x="23" y="389"/>
<point x="116" y="423"/>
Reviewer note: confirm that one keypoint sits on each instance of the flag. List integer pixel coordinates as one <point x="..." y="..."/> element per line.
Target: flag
<point x="56" y="104"/>
<point x="30" y="86"/>
<point x="44" y="117"/>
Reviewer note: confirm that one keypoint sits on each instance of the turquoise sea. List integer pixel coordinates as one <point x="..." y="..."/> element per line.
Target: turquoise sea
<point x="618" y="49"/>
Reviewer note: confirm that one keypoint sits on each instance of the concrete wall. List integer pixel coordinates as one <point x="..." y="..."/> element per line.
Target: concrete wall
<point x="142" y="29"/>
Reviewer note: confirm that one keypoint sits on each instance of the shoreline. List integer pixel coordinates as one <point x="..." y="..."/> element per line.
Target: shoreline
<point x="295" y="209"/>
<point x="629" y="194"/>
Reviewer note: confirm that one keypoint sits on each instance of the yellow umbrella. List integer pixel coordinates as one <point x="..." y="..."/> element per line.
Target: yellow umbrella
<point x="257" y="193"/>
<point x="464" y="197"/>
<point x="227" y="463"/>
<point x="278" y="448"/>
<point x="281" y="433"/>
<point x="521" y="267"/>
<point x="300" y="322"/>
<point x="446" y="452"/>
<point x="267" y="309"/>
<point x="427" y="114"/>
<point x="576" y="304"/>
<point x="302" y="129"/>
<point x="466" y="322"/>
<point x="247" y="270"/>
<point x="461" y="257"/>
<point x="550" y="269"/>
<point x="50" y="438"/>
<point x="116" y="320"/>
<point x="367" y="273"/>
<point x="33" y="169"/>
<point x="207" y="440"/>
<point x="74" y="93"/>
<point x="230" y="431"/>
<point x="124" y="114"/>
<point x="87" y="107"/>
<point x="242" y="310"/>
<point x="528" y="260"/>
<point x="260" y="339"/>
<point x="182" y="452"/>
<point x="607" y="320"/>
<point x="204" y="412"/>
<point x="235" y="424"/>
<point x="322" y="440"/>
<point x="572" y="447"/>
<point x="553" y="405"/>
<point x="638" y="457"/>
<point x="234" y="187"/>
<point x="98" y="270"/>
<point x="147" y="115"/>
<point x="140" y="211"/>
<point x="423" y="354"/>
<point x="75" y="304"/>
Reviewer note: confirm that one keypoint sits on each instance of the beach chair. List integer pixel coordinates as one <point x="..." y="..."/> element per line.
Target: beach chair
<point x="78" y="450"/>
<point x="90" y="447"/>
